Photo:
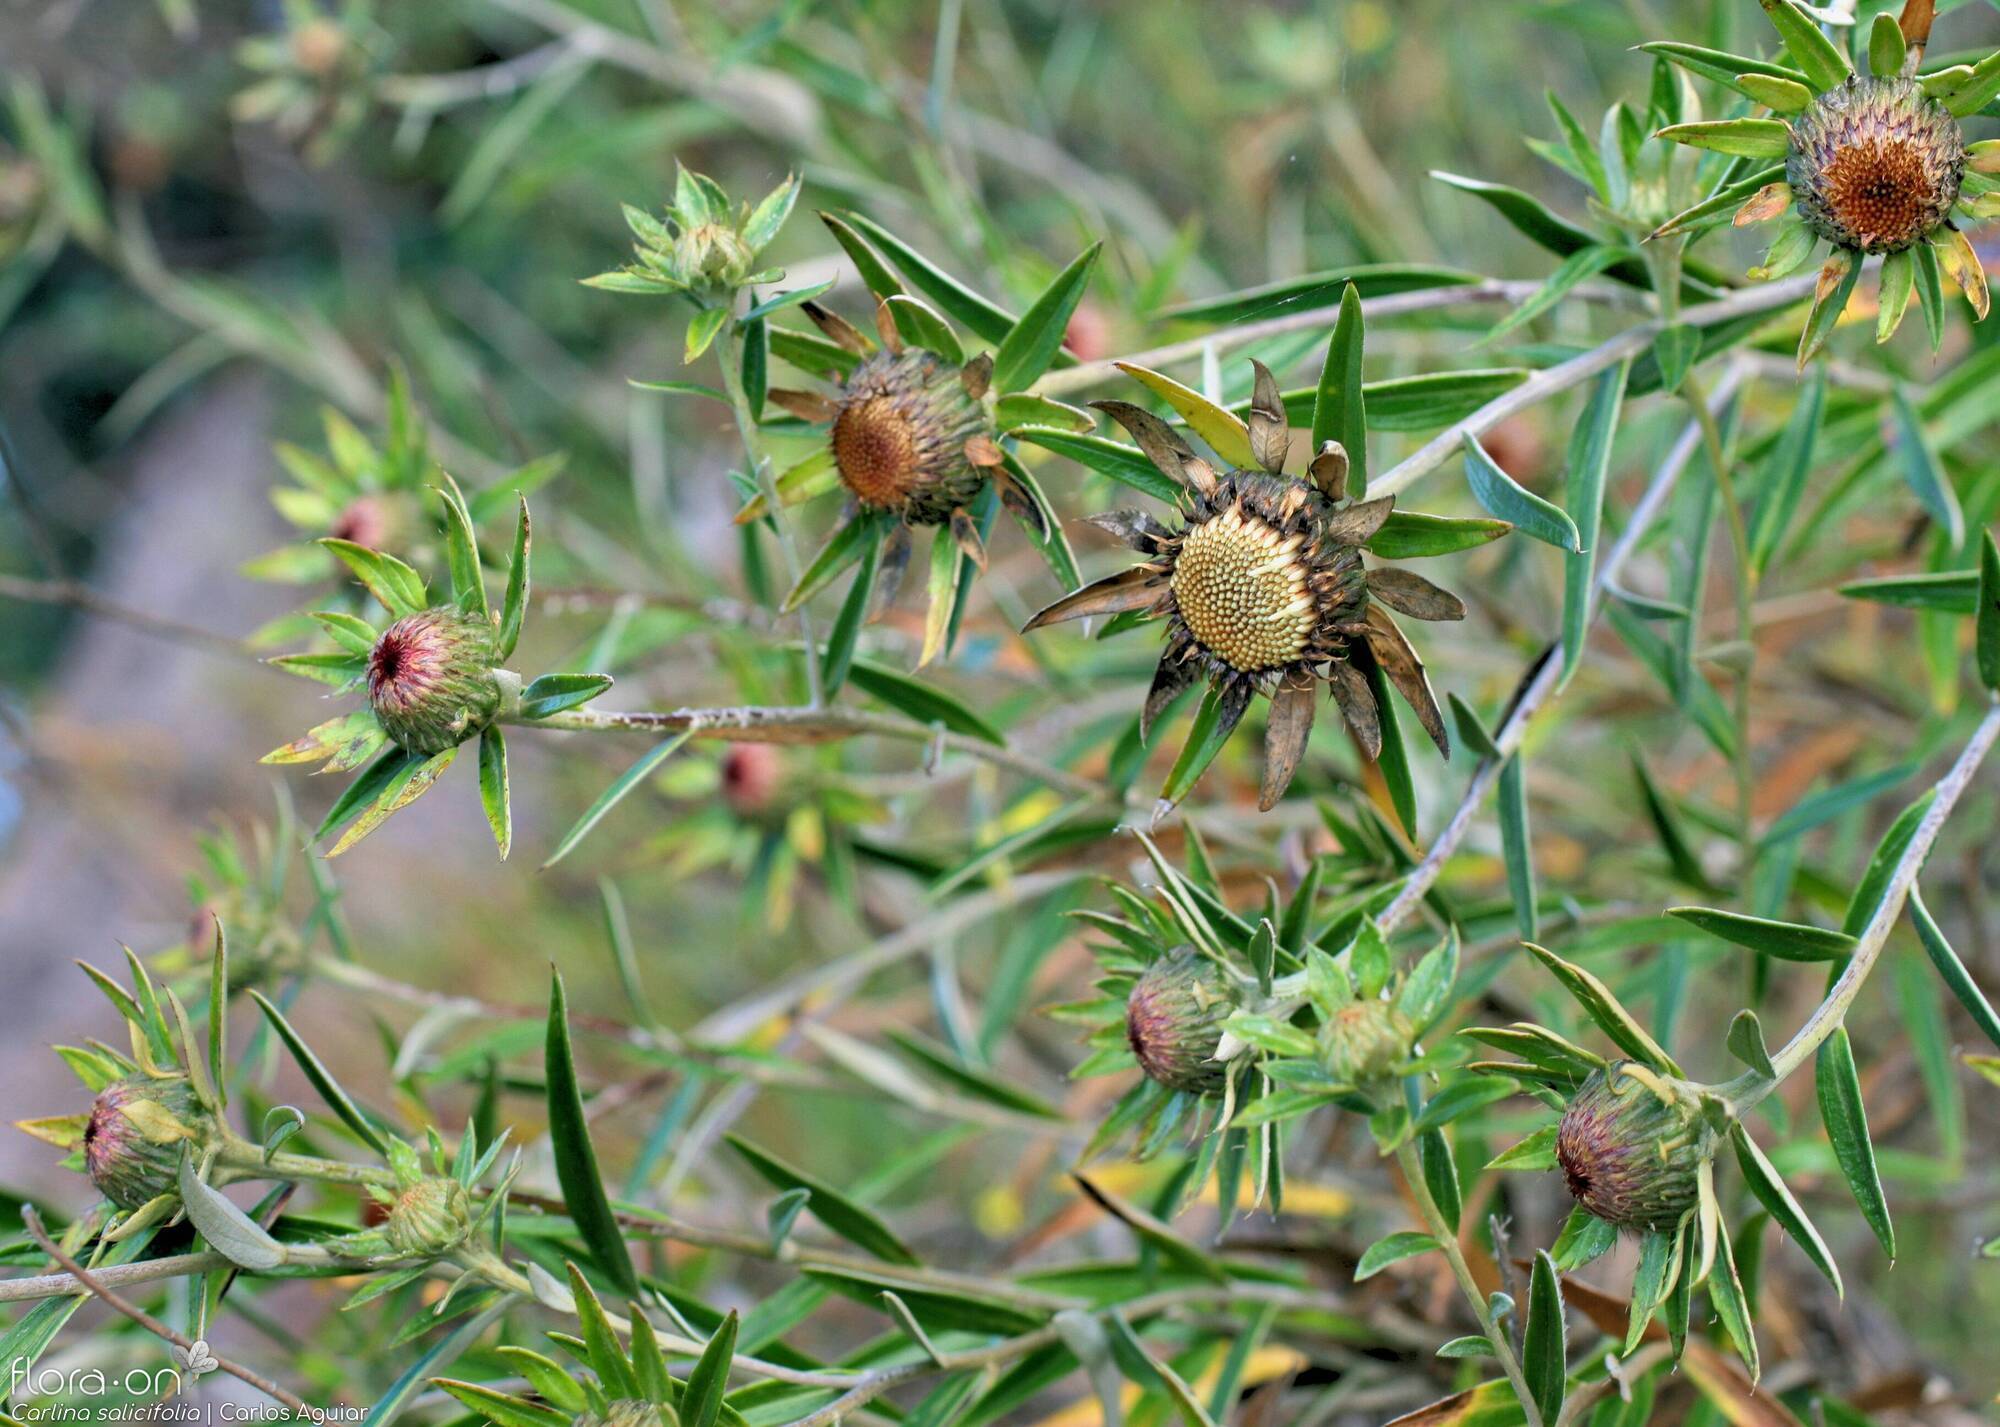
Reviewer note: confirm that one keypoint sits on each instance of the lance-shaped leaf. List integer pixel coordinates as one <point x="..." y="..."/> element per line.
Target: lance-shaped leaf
<point x="229" y="1231"/>
<point x="576" y="1157"/>
<point x="839" y="1213"/>
<point x="1506" y="498"/>
<point x="1604" y="1008"/>
<point x="1393" y="1248"/>
<point x="1746" y="138"/>
<point x="1952" y="971"/>
<point x="1544" y="1347"/>
<point x="1788" y="941"/>
<point x="1846" y="1121"/>
<point x="1412" y="535"/>
<point x="1821" y="60"/>
<point x="1127" y="465"/>
<point x="1027" y="350"/>
<point x="1225" y="433"/>
<point x="514" y="606"/>
<point x="1777" y="1199"/>
<point x="395" y="585"/>
<point x="320" y="1077"/>
<point x="1340" y="409"/>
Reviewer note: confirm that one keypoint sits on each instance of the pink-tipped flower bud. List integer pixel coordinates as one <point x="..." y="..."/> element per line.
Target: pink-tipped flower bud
<point x="1173" y="1021"/>
<point x="430" y="679"/>
<point x="133" y="1140"/>
<point x="1364" y="1042"/>
<point x="750" y="776"/>
<point x="429" y="1218"/>
<point x="1631" y="1146"/>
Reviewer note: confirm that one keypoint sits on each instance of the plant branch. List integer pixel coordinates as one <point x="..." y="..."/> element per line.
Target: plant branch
<point x="748" y="724"/>
<point x="1547" y="679"/>
<point x="111" y="1298"/>
<point x="1828" y="1015"/>
<point x="1447" y="1236"/>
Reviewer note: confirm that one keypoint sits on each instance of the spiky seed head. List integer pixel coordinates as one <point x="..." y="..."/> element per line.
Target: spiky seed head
<point x="1173" y="1021"/>
<point x="628" y="1412"/>
<point x="899" y="436"/>
<point x="1365" y="1041"/>
<point x="1876" y="164"/>
<point x="429" y="1217"/>
<point x="430" y="679"/>
<point x="132" y="1142"/>
<point x="1631" y="1146"/>
<point x="1242" y="590"/>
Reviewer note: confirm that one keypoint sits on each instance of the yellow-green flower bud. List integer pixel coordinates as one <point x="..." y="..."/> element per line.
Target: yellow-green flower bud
<point x="429" y="1218"/>
<point x="1365" y="1041"/>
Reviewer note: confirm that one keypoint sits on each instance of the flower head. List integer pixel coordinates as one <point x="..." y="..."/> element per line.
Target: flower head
<point x="133" y="1140"/>
<point x="1173" y="1021"/>
<point x="703" y="245"/>
<point x="1875" y="164"/>
<point x="1264" y="590"/>
<point x="1631" y="1145"/>
<point x="430" y="679"/>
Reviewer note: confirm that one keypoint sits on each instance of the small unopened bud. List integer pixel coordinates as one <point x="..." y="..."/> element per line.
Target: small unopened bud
<point x="1173" y="1021"/>
<point x="430" y="679"/>
<point x="132" y="1143"/>
<point x="365" y="521"/>
<point x="1365" y="1041"/>
<point x="750" y="776"/>
<point x="1631" y="1146"/>
<point x="317" y="46"/>
<point x="429" y="1217"/>
<point x="713" y="255"/>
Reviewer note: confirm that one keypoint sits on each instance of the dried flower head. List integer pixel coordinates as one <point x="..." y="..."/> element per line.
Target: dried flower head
<point x="1264" y="590"/>
<point x="1875" y="164"/>
<point x="430" y="679"/>
<point x="901" y="428"/>
<point x="1173" y="1021"/>
<point x="133" y="1139"/>
<point x="1631" y="1145"/>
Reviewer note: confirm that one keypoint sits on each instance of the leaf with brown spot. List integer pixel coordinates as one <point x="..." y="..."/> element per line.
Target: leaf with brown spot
<point x="1357" y="706"/>
<point x="842" y="333"/>
<point x="965" y="532"/>
<point x="806" y="405"/>
<point x="1491" y="1404"/>
<point x="1285" y="735"/>
<point x="1329" y="470"/>
<point x="1414" y="595"/>
<point x="1170" y="680"/>
<point x="1132" y="527"/>
<point x="1013" y="495"/>
<point x="1270" y="431"/>
<point x="1130" y="589"/>
<point x="1406" y="671"/>
<point x="1357" y="524"/>
<point x="1152" y="436"/>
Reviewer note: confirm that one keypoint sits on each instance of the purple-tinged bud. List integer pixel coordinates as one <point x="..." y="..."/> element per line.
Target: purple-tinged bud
<point x="1365" y="1041"/>
<point x="430" y="679"/>
<point x="133" y="1140"/>
<point x="1173" y="1021"/>
<point x="1631" y="1146"/>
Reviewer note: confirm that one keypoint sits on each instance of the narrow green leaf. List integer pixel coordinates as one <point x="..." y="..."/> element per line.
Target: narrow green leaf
<point x="1725" y="1293"/>
<point x="611" y="796"/>
<point x="1412" y="535"/>
<point x="1544" y="1346"/>
<point x="576" y="1157"/>
<point x="1789" y="941"/>
<point x="1393" y="1249"/>
<point x="514" y="605"/>
<point x="1588" y="465"/>
<point x="846" y="630"/>
<point x="1824" y="65"/>
<point x="218" y="1015"/>
<point x="701" y="1399"/>
<point x="397" y="587"/>
<point x="840" y="1214"/>
<point x="1846" y="1120"/>
<point x="1318" y="290"/>
<point x="923" y="702"/>
<point x="861" y="532"/>
<point x="1986" y="627"/>
<point x="1952" y="591"/>
<point x="1340" y="409"/>
<point x="1502" y="496"/>
<point x="1125" y="464"/>
<point x="984" y="318"/>
<point x="1395" y="760"/>
<point x="1956" y="978"/>
<point x="1604" y="1008"/>
<point x="1224" y="432"/>
<point x="321" y="1078"/>
<point x="1874" y="885"/>
<point x="553" y="693"/>
<point x="494" y="794"/>
<point x="502" y="1409"/>
<point x="1516" y="848"/>
<point x="461" y="546"/>
<point x="1746" y="1043"/>
<point x="1772" y="1192"/>
<point x="875" y="275"/>
<point x="1026" y="351"/>
<point x="1746" y="138"/>
<point x="1918" y="460"/>
<point x="1204" y="740"/>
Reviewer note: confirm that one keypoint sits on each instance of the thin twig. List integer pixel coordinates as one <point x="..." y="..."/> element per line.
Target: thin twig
<point x="1548" y="677"/>
<point x="74" y="594"/>
<point x="111" y="1298"/>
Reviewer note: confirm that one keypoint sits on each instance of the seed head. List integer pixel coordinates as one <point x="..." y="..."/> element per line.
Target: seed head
<point x="1242" y="589"/>
<point x="1365" y="1041"/>
<point x="1173" y="1021"/>
<point x="1631" y="1146"/>
<point x="132" y="1141"/>
<point x="899" y="434"/>
<point x="1876" y="164"/>
<point x="429" y="1217"/>
<point x="430" y="679"/>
